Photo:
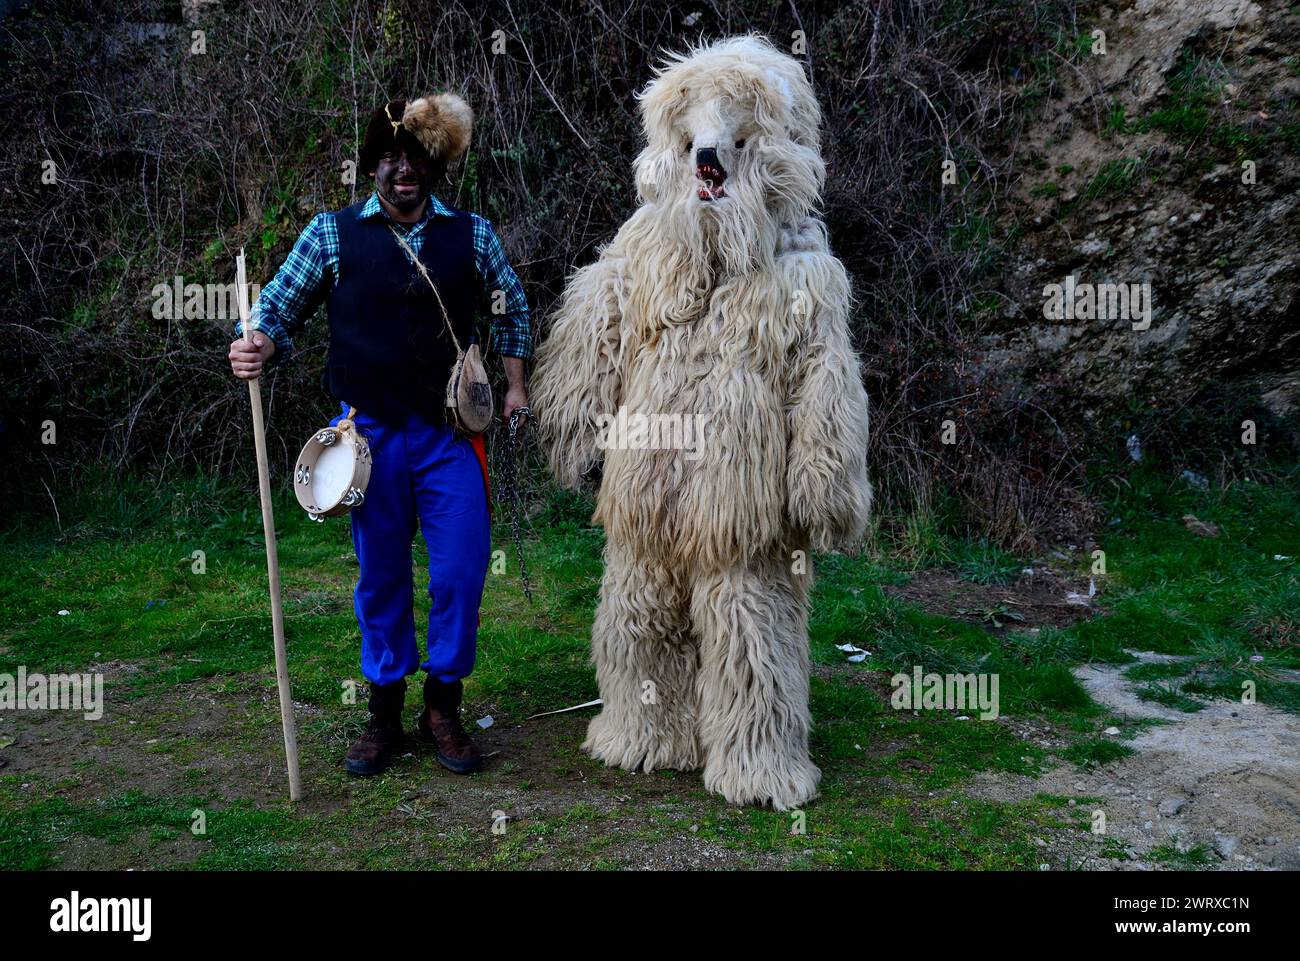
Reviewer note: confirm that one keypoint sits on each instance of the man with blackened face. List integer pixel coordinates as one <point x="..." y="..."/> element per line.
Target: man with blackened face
<point x="406" y="279"/>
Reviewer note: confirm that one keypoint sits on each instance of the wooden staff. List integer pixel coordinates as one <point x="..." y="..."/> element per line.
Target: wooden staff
<point x="272" y="556"/>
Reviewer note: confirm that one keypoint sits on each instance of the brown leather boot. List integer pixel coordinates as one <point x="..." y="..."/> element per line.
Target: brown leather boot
<point x="440" y="724"/>
<point x="371" y="752"/>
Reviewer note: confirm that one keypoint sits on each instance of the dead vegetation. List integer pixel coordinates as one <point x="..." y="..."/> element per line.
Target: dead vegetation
<point x="168" y="161"/>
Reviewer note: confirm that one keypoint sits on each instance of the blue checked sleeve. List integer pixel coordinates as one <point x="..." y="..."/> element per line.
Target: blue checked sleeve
<point x="298" y="287"/>
<point x="503" y="297"/>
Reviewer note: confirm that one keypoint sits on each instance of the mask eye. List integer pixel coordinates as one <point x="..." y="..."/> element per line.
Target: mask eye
<point x="740" y="143"/>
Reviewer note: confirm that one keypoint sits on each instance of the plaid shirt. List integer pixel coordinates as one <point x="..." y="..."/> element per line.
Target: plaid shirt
<point x="299" y="286"/>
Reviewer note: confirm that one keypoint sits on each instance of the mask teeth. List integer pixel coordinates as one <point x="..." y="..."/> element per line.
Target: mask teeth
<point x="710" y="173"/>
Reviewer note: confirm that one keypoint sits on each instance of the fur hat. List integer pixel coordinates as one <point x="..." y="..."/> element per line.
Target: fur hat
<point x="441" y="123"/>
<point x="435" y="127"/>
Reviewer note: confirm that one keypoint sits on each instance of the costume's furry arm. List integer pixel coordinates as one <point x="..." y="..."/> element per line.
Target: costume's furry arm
<point x="577" y="376"/>
<point x="828" y="494"/>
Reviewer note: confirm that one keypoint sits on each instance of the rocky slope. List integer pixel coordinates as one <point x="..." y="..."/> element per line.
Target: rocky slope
<point x="1135" y="174"/>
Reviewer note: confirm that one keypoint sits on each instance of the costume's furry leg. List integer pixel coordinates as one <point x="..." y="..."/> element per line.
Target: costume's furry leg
<point x="753" y="684"/>
<point x="646" y="664"/>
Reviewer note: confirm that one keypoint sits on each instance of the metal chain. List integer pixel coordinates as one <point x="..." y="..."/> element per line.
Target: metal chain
<point x="510" y="487"/>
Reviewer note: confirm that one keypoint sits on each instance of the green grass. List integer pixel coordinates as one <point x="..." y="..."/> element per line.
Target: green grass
<point x="1115" y="178"/>
<point x="1197" y="856"/>
<point x="1095" y="752"/>
<point x="1219" y="602"/>
<point x="1170" y="695"/>
<point x="1116" y="121"/>
<point x="122" y="565"/>
<point x="1190" y="113"/>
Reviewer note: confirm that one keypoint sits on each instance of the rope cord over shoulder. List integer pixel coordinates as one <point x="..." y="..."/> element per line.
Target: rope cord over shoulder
<point x="424" y="272"/>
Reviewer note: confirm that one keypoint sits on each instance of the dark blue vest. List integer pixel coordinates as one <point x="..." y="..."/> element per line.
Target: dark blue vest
<point x="389" y="352"/>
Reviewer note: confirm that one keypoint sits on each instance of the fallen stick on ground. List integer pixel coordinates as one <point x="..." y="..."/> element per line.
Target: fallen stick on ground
<point x="566" y="710"/>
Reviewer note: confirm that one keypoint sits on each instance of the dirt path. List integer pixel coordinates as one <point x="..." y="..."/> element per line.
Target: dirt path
<point x="1226" y="777"/>
<point x="222" y="741"/>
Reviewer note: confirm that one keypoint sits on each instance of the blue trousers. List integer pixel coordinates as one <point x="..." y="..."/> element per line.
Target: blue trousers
<point x="423" y="474"/>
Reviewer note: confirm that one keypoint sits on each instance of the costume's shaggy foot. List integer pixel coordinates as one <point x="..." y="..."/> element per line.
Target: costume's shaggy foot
<point x="782" y="783"/>
<point x="633" y="747"/>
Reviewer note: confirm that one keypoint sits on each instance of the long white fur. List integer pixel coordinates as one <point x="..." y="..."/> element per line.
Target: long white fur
<point x="734" y="310"/>
<point x="442" y="123"/>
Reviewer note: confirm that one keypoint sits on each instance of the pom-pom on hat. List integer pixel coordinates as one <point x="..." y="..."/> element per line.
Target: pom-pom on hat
<point x="436" y="127"/>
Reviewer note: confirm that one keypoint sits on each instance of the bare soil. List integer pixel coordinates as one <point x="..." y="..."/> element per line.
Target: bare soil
<point x="1226" y="778"/>
<point x="1033" y="601"/>
<point x="224" y="740"/>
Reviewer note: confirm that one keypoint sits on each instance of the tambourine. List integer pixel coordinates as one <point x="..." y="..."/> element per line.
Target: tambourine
<point x="333" y="470"/>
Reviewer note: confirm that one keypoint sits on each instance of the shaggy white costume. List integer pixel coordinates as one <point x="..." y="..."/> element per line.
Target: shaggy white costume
<point x="717" y="299"/>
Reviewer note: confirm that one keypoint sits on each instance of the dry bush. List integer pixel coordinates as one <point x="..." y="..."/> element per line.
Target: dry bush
<point x="170" y="162"/>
